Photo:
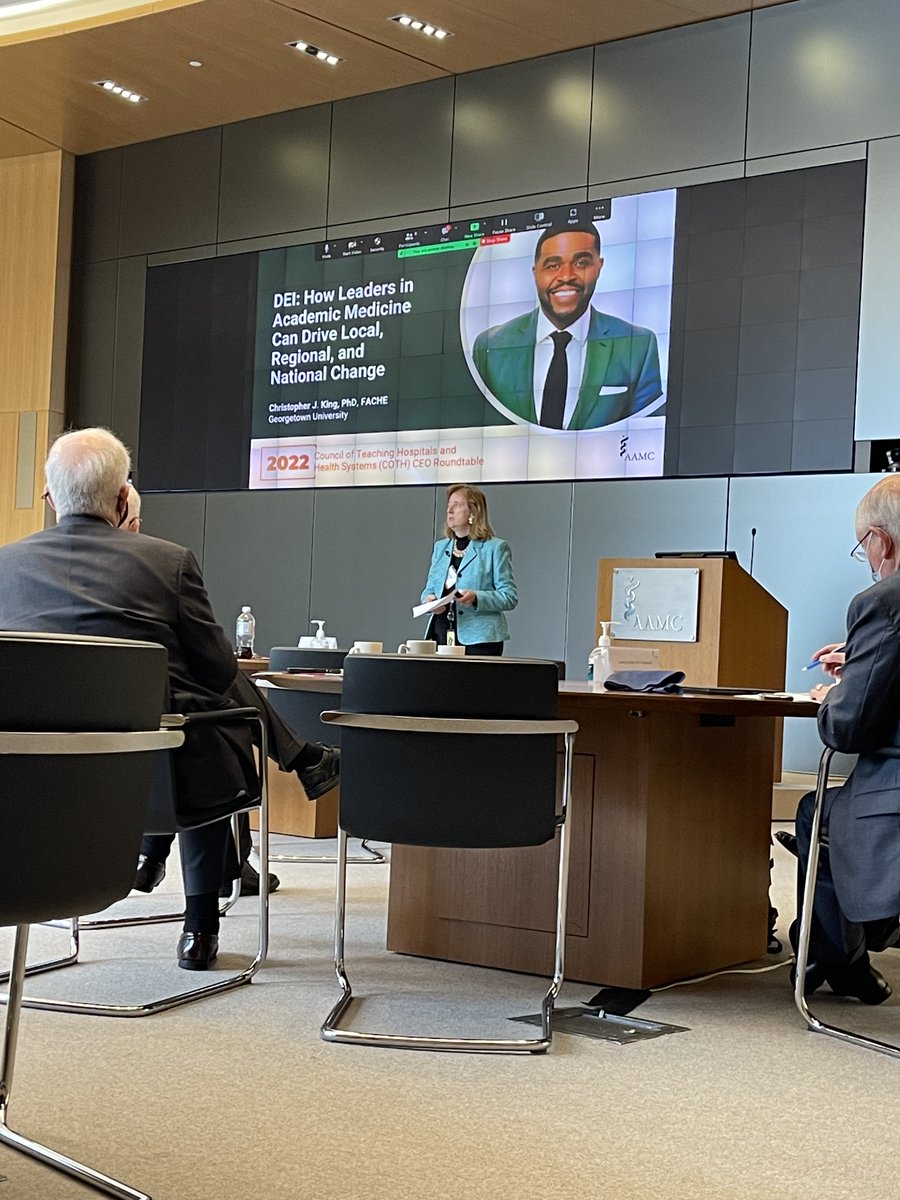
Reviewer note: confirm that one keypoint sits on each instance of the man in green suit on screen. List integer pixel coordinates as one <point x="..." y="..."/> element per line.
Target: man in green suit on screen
<point x="566" y="365"/>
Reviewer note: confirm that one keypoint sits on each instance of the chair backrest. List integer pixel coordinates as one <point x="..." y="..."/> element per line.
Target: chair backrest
<point x="71" y="824"/>
<point x="449" y="789"/>
<point x="301" y="710"/>
<point x="282" y="658"/>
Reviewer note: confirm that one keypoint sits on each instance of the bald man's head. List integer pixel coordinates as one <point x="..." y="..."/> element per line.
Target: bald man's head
<point x="87" y="472"/>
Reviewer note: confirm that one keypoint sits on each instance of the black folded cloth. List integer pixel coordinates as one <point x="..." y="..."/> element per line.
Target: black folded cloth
<point x="645" y="681"/>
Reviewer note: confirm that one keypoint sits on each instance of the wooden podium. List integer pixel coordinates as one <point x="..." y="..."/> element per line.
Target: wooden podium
<point x="741" y="628"/>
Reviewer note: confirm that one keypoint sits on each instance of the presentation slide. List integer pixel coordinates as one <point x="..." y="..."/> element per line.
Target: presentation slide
<point x="528" y="346"/>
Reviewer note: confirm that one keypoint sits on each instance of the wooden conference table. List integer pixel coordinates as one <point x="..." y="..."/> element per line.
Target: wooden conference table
<point x="670" y="821"/>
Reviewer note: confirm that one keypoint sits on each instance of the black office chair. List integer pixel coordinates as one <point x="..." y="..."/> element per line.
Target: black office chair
<point x="75" y="770"/>
<point x="162" y="817"/>
<point x="450" y="752"/>
<point x="301" y="711"/>
<point x="806" y="920"/>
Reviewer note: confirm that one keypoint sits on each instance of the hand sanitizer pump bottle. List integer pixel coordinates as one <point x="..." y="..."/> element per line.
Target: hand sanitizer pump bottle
<point x="599" y="662"/>
<point x="320" y="641"/>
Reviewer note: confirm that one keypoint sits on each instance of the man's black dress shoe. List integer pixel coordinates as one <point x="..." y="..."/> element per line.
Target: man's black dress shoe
<point x="149" y="874"/>
<point x="788" y="840"/>
<point x="250" y="883"/>
<point x="324" y="775"/>
<point x="815" y="977"/>
<point x="860" y="980"/>
<point x="197" y="951"/>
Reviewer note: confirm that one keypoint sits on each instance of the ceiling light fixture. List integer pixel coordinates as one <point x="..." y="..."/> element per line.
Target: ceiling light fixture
<point x="195" y="62"/>
<point x="124" y="93"/>
<point x="324" y="56"/>
<point x="424" y="27"/>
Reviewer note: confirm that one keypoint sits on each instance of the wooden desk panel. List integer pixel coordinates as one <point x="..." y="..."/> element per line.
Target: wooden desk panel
<point x="677" y="868"/>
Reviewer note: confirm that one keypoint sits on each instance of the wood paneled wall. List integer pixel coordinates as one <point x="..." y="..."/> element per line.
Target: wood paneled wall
<point x="35" y="260"/>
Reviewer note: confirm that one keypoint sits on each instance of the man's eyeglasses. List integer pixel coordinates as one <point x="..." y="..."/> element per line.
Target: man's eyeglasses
<point x="859" y="550"/>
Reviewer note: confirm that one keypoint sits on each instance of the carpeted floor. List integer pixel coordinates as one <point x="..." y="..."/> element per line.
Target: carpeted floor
<point x="236" y="1097"/>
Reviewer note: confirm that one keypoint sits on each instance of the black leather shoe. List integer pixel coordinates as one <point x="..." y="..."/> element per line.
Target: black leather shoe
<point x="860" y="980"/>
<point x="788" y="840"/>
<point x="815" y="977"/>
<point x="324" y="775"/>
<point x="250" y="883"/>
<point x="149" y="874"/>
<point x="197" y="951"/>
<point x="773" y="945"/>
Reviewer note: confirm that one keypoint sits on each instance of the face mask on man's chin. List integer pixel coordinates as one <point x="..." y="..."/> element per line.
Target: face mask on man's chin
<point x="876" y="575"/>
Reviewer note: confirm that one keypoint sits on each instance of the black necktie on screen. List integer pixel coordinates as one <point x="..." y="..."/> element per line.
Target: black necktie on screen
<point x="553" y="402"/>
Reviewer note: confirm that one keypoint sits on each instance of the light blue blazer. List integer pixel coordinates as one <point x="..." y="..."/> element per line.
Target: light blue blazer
<point x="486" y="569"/>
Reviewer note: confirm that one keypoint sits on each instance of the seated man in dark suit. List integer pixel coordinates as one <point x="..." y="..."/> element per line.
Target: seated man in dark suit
<point x="858" y="889"/>
<point x="151" y="869"/>
<point x="88" y="576"/>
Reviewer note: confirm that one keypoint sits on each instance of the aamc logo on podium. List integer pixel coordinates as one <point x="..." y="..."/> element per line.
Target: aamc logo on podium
<point x="669" y="622"/>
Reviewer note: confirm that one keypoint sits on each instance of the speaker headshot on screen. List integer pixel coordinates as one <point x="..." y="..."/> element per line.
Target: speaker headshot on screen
<point x="567" y="365"/>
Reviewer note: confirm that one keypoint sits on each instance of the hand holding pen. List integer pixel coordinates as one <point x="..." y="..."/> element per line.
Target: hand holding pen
<point x="830" y="658"/>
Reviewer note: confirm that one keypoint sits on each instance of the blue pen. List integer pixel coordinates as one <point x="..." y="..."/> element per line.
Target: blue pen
<point x="809" y="666"/>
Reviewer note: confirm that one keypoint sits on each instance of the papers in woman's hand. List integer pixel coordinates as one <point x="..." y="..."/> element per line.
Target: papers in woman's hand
<point x="428" y="606"/>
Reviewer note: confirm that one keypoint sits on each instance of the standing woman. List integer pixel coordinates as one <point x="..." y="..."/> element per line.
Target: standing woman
<point x="473" y="568"/>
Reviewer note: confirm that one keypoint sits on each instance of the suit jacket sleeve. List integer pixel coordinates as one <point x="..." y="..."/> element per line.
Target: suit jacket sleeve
<point x="503" y="595"/>
<point x="207" y="653"/>
<point x="860" y="714"/>
<point x="648" y="385"/>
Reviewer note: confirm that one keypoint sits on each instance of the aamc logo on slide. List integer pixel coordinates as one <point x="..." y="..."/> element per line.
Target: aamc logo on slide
<point x="634" y="455"/>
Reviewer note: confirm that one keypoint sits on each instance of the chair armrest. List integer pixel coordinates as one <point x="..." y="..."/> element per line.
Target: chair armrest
<point x="218" y="716"/>
<point x="90" y="743"/>
<point x="446" y="724"/>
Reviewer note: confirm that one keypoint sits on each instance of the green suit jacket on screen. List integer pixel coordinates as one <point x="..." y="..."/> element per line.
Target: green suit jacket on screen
<point x="621" y="369"/>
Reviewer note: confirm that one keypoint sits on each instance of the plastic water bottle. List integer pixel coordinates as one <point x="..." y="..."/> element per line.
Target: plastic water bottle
<point x="245" y="632"/>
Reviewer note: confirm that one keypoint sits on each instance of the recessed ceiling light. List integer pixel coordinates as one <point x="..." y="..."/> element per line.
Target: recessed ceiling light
<point x="420" y="26"/>
<point x="110" y="85"/>
<point x="324" y="56"/>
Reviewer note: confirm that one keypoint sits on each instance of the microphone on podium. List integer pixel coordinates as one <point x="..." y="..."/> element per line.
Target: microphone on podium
<point x="752" y="548"/>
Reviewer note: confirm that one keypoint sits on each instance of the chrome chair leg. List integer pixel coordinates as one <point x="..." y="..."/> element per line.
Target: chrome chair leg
<point x="367" y="854"/>
<point x="178" y="999"/>
<point x="17" y="1141"/>
<point x="51" y="964"/>
<point x="166" y="918"/>
<point x="331" y="1030"/>
<point x="806" y="919"/>
<point x="75" y="925"/>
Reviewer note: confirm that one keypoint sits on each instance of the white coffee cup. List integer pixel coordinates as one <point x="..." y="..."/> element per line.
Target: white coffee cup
<point x="366" y="648"/>
<point x="452" y="651"/>
<point x="414" y="646"/>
